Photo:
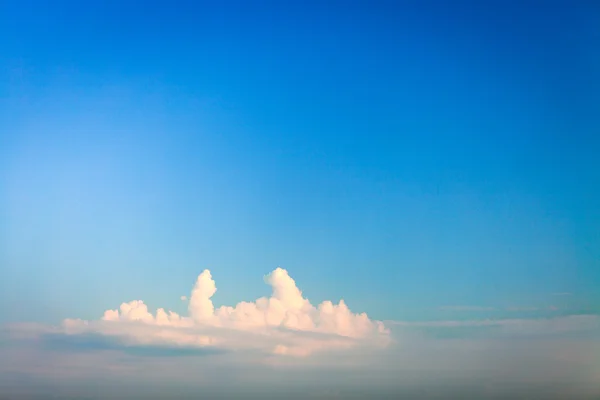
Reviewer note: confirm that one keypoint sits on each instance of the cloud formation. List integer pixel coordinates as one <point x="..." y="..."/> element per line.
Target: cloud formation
<point x="518" y="326"/>
<point x="284" y="324"/>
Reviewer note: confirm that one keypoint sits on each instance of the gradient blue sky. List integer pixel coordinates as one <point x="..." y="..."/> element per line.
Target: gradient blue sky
<point x="405" y="156"/>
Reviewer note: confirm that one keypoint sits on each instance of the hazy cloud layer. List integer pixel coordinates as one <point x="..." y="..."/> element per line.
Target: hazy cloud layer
<point x="243" y="351"/>
<point x="510" y="309"/>
<point x="465" y="308"/>
<point x="537" y="326"/>
<point x="546" y="362"/>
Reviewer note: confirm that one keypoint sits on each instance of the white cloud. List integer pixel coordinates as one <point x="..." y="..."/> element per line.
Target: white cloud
<point x="183" y="298"/>
<point x="284" y="324"/>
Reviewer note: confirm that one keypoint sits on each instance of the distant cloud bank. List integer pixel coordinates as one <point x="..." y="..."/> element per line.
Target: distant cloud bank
<point x="466" y="308"/>
<point x="555" y="325"/>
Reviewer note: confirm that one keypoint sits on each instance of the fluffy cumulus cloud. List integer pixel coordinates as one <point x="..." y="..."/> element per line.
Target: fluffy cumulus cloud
<point x="286" y="323"/>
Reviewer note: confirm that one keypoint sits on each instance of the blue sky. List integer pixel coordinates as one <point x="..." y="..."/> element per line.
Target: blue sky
<point x="421" y="160"/>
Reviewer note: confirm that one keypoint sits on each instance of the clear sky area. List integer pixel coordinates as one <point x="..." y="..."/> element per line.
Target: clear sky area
<point x="307" y="199"/>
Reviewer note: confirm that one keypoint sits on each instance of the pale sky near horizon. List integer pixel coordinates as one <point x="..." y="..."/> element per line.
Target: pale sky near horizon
<point x="432" y="164"/>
